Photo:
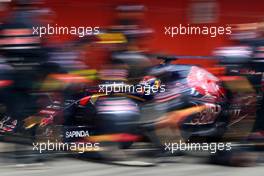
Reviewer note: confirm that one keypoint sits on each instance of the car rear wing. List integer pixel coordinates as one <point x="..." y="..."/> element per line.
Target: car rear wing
<point x="169" y="58"/>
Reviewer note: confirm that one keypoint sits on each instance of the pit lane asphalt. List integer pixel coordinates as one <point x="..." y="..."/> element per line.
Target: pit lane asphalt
<point x="67" y="166"/>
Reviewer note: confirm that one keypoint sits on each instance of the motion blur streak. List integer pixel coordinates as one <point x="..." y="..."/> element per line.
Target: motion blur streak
<point x="131" y="77"/>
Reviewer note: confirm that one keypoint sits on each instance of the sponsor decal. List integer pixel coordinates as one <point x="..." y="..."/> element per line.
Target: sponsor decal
<point x="77" y="134"/>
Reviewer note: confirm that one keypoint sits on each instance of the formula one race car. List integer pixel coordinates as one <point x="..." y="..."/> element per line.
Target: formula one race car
<point x="195" y="105"/>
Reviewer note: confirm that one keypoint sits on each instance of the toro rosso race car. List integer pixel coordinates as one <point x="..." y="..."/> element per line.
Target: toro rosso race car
<point x="194" y="105"/>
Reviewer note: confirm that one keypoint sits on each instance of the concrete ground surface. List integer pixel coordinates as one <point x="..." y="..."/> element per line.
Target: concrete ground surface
<point x="178" y="166"/>
<point x="75" y="167"/>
